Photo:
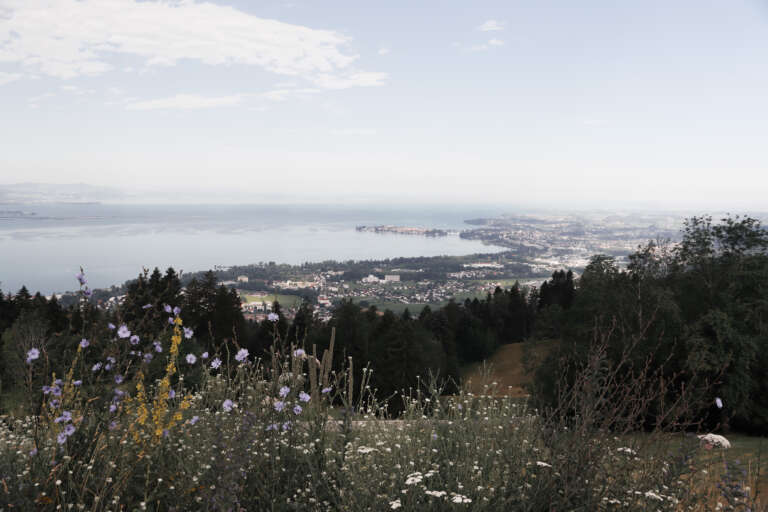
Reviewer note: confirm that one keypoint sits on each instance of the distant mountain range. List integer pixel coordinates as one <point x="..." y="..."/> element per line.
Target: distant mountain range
<point x="41" y="193"/>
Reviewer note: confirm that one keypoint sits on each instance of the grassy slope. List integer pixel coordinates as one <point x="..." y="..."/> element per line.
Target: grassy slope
<point x="505" y="368"/>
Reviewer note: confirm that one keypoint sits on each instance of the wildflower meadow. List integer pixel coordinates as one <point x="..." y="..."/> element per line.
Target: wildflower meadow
<point x="233" y="432"/>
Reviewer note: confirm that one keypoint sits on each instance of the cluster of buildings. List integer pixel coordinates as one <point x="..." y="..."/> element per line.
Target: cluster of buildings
<point x="389" y="278"/>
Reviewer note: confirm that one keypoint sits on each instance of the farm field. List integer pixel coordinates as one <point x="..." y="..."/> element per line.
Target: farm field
<point x="285" y="300"/>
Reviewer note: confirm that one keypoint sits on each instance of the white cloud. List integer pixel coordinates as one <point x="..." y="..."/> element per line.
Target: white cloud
<point x="69" y="38"/>
<point x="491" y="26"/>
<point x="185" y="102"/>
<point x="360" y="79"/>
<point x="6" y="78"/>
<point x="384" y="50"/>
<point x="37" y="99"/>
<point x="485" y="46"/>
<point x="284" y="94"/>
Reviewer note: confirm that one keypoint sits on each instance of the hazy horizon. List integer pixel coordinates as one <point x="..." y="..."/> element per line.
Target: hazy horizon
<point x="224" y="196"/>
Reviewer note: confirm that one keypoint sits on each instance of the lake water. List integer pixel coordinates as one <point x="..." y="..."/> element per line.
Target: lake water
<point x="113" y="242"/>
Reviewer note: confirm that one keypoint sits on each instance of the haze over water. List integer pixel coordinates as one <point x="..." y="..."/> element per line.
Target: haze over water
<point x="113" y="242"/>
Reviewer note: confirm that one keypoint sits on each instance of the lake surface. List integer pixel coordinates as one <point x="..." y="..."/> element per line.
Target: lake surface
<point x="113" y="242"/>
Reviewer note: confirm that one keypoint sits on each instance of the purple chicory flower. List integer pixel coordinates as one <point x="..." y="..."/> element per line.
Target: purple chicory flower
<point x="119" y="393"/>
<point x="87" y="292"/>
<point x="107" y="367"/>
<point x="32" y="354"/>
<point x="77" y="382"/>
<point x="84" y="343"/>
<point x="111" y="326"/>
<point x="65" y="417"/>
<point x="297" y="409"/>
<point x="33" y="452"/>
<point x="216" y="363"/>
<point x="80" y="276"/>
<point x="118" y="379"/>
<point x="227" y="405"/>
<point x="147" y="357"/>
<point x="194" y="419"/>
<point x="287" y="425"/>
<point x="191" y="358"/>
<point x="188" y="332"/>
<point x="46" y="390"/>
<point x="61" y="438"/>
<point x="284" y="391"/>
<point x="273" y="317"/>
<point x="146" y="306"/>
<point x="112" y="425"/>
<point x="279" y="406"/>
<point x="158" y="346"/>
<point x="54" y="403"/>
<point x="272" y="426"/>
<point x="112" y="407"/>
<point x="176" y="310"/>
<point x="123" y="331"/>
<point x="111" y="359"/>
<point x="56" y="391"/>
<point x="167" y="308"/>
<point x="135" y="339"/>
<point x="242" y="354"/>
<point x="69" y="430"/>
<point x="326" y="390"/>
<point x="718" y="402"/>
<point x="304" y="397"/>
<point x="299" y="352"/>
<point x="204" y="355"/>
<point x="171" y="394"/>
<point x="96" y="367"/>
<point x="171" y="320"/>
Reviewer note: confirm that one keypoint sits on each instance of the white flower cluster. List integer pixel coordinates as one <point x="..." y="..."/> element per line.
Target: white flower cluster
<point x="714" y="440"/>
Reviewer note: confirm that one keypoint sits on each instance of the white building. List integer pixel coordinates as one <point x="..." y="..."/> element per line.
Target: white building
<point x="392" y="278"/>
<point x="242" y="279"/>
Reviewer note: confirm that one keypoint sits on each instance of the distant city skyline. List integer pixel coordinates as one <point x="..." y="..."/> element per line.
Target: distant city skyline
<point x="595" y="104"/>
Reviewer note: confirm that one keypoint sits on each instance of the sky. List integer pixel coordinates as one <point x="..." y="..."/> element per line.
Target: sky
<point x="548" y="103"/>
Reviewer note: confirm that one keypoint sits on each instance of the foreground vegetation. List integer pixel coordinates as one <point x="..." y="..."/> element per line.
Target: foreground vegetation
<point x="291" y="433"/>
